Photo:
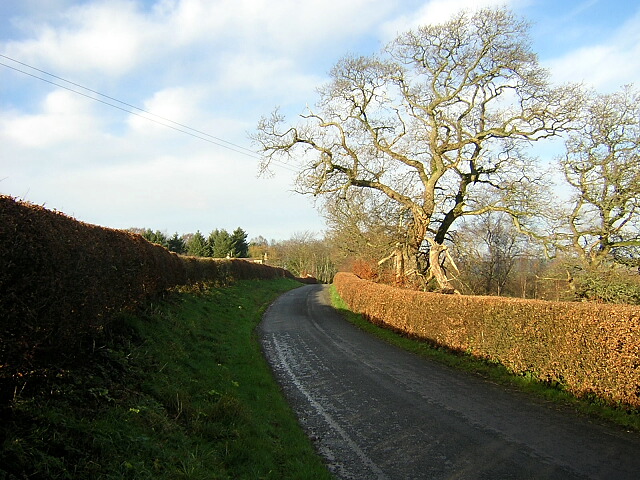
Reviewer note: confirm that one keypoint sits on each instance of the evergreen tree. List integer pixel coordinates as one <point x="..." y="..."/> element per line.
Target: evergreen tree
<point x="176" y="244"/>
<point x="220" y="244"/>
<point x="223" y="245"/>
<point x="197" y="245"/>
<point x="239" y="243"/>
<point x="154" y="237"/>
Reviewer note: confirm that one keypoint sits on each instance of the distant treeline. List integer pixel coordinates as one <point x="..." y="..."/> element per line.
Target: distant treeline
<point x="219" y="243"/>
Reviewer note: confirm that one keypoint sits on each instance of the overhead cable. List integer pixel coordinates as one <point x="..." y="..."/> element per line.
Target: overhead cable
<point x="140" y="112"/>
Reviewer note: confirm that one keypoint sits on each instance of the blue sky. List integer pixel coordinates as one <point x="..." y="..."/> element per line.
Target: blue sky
<point x="217" y="66"/>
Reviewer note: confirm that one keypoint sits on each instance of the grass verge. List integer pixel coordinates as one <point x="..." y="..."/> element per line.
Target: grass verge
<point x="180" y="390"/>
<point x="621" y="415"/>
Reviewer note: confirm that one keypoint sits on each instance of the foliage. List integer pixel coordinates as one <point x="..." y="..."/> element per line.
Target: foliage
<point x="177" y="390"/>
<point x="220" y="244"/>
<point x="176" y="244"/>
<point x="173" y="244"/>
<point x="156" y="237"/>
<point x="365" y="269"/>
<point x="435" y="125"/>
<point x="239" y="243"/>
<point x="613" y="286"/>
<point x="225" y="245"/>
<point x="197" y="245"/>
<point x="365" y="225"/>
<point x="259" y="248"/>
<point x="589" y="349"/>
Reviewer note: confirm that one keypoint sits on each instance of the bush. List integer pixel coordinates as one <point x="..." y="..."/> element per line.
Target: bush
<point x="608" y="287"/>
<point x="367" y="270"/>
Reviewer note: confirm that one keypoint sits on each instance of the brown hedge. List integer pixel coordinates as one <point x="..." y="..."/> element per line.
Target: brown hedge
<point x="61" y="280"/>
<point x="588" y="348"/>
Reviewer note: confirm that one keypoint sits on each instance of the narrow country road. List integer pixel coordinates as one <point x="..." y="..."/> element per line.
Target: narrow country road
<point x="376" y="412"/>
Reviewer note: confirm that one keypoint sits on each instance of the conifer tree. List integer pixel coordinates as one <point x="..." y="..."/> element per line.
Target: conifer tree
<point x="197" y="245"/>
<point x="176" y="244"/>
<point x="239" y="243"/>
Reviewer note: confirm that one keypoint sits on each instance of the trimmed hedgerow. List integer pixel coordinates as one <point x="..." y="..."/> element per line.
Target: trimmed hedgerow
<point x="61" y="280"/>
<point x="588" y="348"/>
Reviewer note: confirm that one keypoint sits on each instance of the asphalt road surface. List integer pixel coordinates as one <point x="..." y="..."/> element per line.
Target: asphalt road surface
<point x="374" y="411"/>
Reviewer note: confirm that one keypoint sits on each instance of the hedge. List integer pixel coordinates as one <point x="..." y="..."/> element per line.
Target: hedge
<point x="61" y="280"/>
<point x="588" y="348"/>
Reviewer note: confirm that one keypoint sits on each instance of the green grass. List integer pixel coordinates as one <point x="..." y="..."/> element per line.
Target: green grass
<point x="180" y="391"/>
<point x="621" y="415"/>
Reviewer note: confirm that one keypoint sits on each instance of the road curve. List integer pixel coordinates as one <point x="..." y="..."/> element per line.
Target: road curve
<point x="377" y="412"/>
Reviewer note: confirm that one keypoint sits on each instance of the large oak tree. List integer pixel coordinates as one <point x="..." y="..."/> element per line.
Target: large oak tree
<point x="437" y="123"/>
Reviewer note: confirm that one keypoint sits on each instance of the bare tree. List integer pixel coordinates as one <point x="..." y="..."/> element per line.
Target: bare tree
<point x="305" y="255"/>
<point x="602" y="165"/>
<point x="488" y="248"/>
<point x="433" y="123"/>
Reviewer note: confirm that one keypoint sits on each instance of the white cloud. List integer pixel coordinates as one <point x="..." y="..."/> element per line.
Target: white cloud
<point x="173" y="193"/>
<point x="320" y="24"/>
<point x="270" y="78"/>
<point x="64" y="117"/>
<point x="437" y="11"/>
<point x="215" y="65"/>
<point x="170" y="106"/>
<point x="221" y="39"/>
<point x="105" y="37"/>
<point x="288" y="25"/>
<point x="605" y="65"/>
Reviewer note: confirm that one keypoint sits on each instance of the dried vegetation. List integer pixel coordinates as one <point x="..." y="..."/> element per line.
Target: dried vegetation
<point x="590" y="349"/>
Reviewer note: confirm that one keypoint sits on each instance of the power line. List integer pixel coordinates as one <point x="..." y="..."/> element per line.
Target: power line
<point x="134" y="113"/>
<point x="118" y="101"/>
<point x="166" y="122"/>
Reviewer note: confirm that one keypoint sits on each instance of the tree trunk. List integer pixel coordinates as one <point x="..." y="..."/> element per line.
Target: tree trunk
<point x="400" y="265"/>
<point x="436" y="269"/>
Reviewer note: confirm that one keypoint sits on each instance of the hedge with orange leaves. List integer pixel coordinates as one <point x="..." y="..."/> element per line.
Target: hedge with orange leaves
<point x="588" y="348"/>
<point x="61" y="280"/>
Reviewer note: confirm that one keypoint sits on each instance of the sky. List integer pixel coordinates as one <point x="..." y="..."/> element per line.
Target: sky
<point x="210" y="69"/>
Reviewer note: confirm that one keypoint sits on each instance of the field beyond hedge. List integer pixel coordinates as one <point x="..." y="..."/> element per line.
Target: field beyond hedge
<point x="589" y="349"/>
